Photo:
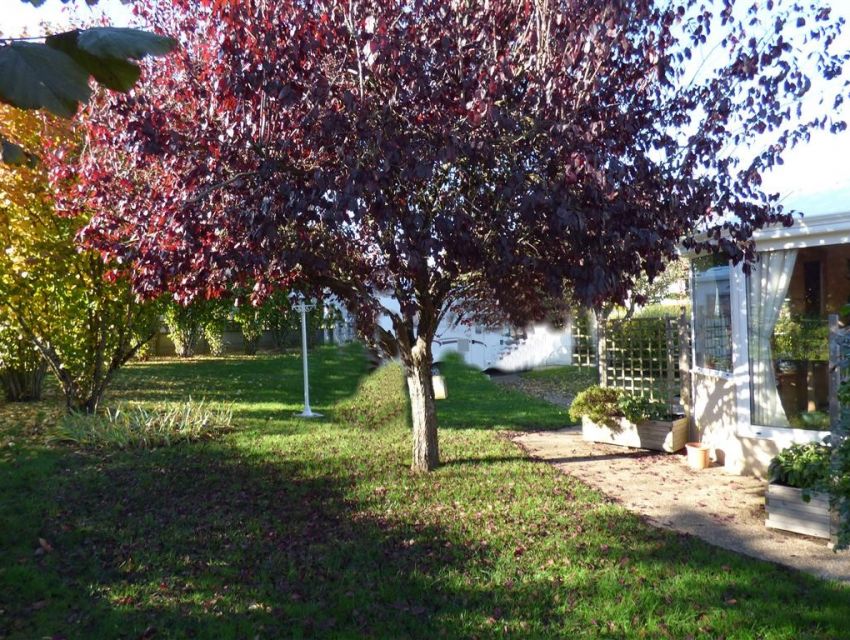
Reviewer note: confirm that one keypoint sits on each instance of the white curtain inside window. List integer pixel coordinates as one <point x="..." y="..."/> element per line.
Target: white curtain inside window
<point x="769" y="281"/>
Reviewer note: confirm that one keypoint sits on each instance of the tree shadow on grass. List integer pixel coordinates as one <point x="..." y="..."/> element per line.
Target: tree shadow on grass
<point x="205" y="541"/>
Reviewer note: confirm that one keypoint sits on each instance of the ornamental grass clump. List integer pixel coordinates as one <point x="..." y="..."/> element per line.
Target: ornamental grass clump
<point x="135" y="427"/>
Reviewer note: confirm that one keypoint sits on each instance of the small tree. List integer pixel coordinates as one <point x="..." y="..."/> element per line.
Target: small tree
<point x="68" y="303"/>
<point x="215" y="323"/>
<point x="185" y="324"/>
<point x="404" y="155"/>
<point x="252" y="322"/>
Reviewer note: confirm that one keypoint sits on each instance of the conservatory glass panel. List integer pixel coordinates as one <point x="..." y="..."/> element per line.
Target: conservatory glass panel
<point x="712" y="314"/>
<point x="790" y="295"/>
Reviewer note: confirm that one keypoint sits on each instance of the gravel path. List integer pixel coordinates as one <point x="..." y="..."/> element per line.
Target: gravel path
<point x="723" y="509"/>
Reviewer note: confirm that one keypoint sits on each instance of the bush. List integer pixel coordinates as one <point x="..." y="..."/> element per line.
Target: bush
<point x="640" y="408"/>
<point x="805" y="466"/>
<point x="380" y="400"/>
<point x="214" y="335"/>
<point x="659" y="310"/>
<point x="605" y="405"/>
<point x="184" y="328"/>
<point x="251" y="322"/>
<point x="599" y="404"/>
<point x="134" y="427"/>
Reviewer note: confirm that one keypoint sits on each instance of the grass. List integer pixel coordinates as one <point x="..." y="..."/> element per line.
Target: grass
<point x="130" y="426"/>
<point x="566" y="380"/>
<point x="287" y="528"/>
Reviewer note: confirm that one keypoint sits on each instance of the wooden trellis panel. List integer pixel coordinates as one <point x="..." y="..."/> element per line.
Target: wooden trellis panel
<point x="584" y="340"/>
<point x="646" y="357"/>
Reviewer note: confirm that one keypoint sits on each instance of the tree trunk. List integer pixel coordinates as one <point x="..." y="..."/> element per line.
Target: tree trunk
<point x="23" y="384"/>
<point x="426" y="452"/>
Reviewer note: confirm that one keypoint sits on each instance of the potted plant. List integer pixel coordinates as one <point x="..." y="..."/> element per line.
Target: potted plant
<point x="614" y="416"/>
<point x="795" y="499"/>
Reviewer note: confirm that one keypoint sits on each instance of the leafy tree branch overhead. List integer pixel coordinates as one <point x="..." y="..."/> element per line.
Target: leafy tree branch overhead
<point x="54" y="72"/>
<point x="436" y="152"/>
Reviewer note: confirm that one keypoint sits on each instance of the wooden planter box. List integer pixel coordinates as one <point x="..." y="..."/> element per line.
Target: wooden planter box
<point x="786" y="510"/>
<point x="659" y="435"/>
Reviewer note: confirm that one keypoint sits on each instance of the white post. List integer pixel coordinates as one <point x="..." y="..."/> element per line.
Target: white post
<point x="303" y="307"/>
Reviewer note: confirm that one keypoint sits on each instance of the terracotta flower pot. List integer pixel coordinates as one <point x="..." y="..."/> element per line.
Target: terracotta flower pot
<point x="698" y="455"/>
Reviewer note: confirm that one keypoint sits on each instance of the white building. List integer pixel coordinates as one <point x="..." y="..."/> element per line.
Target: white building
<point x="760" y="341"/>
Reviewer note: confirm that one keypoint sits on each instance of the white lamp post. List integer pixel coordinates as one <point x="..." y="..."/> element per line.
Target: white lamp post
<point x="303" y="307"/>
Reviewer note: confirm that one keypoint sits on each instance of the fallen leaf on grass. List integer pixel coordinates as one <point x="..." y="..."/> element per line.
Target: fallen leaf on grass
<point x="43" y="547"/>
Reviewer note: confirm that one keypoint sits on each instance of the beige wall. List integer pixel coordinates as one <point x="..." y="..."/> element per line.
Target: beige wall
<point x="715" y="417"/>
<point x="714" y="412"/>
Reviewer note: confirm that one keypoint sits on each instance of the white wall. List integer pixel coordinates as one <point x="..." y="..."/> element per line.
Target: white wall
<point x="487" y="348"/>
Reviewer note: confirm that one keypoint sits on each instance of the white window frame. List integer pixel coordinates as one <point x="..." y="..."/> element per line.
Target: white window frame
<point x="819" y="231"/>
<point x="708" y="371"/>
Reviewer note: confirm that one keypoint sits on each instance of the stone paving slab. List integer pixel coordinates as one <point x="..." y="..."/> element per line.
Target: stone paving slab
<point x="723" y="509"/>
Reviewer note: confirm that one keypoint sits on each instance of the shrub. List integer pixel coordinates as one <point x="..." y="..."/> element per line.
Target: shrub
<point x="75" y="308"/>
<point x="217" y="318"/>
<point x="604" y="405"/>
<point x="251" y="322"/>
<point x="380" y="399"/>
<point x="184" y="328"/>
<point x="805" y="466"/>
<point x="660" y="310"/>
<point x="640" y="408"/>
<point x="134" y="427"/>
<point x="599" y="404"/>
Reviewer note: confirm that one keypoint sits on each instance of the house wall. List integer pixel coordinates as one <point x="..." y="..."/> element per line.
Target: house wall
<point x="715" y="418"/>
<point x="714" y="412"/>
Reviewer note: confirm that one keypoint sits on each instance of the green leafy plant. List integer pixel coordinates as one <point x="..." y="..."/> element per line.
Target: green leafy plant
<point x="805" y="466"/>
<point x="605" y="405"/>
<point x="639" y="409"/>
<point x="599" y="404"/>
<point x="186" y="324"/>
<point x="800" y="338"/>
<point x="217" y="315"/>
<point x="816" y="420"/>
<point x="135" y="427"/>
<point x="251" y="321"/>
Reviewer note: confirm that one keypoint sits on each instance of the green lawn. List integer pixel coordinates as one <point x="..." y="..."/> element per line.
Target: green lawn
<point x="565" y="380"/>
<point x="295" y="529"/>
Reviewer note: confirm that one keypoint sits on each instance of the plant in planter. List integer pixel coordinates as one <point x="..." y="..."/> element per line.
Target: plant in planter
<point x="614" y="416"/>
<point x="796" y="498"/>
